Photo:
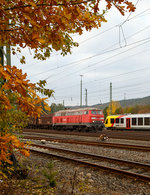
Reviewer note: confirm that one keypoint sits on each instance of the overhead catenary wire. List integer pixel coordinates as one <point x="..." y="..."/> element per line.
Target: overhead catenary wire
<point x="127" y="20"/>
<point x="134" y="71"/>
<point x="116" y="88"/>
<point x="71" y="91"/>
<point x="98" y="61"/>
<point x="103" y="80"/>
<point x="122" y="88"/>
<point x="81" y="59"/>
<point x="110" y="57"/>
<point x="104" y="52"/>
<point x="38" y="62"/>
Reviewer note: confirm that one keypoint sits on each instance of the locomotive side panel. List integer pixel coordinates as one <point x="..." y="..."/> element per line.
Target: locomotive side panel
<point x="79" y="118"/>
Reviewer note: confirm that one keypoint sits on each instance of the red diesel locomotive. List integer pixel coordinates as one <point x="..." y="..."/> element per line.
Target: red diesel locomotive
<point x="79" y="119"/>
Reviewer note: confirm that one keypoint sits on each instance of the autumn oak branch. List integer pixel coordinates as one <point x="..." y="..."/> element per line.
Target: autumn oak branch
<point x="49" y="5"/>
<point x="43" y="26"/>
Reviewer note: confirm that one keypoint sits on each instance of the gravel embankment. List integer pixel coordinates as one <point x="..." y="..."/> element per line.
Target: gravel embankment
<point x="104" y="182"/>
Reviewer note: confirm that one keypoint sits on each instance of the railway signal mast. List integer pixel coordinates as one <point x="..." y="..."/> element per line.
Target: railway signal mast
<point x="86" y="97"/>
<point x="110" y="98"/>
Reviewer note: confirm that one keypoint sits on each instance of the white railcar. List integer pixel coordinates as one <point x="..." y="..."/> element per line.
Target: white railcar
<point x="132" y="121"/>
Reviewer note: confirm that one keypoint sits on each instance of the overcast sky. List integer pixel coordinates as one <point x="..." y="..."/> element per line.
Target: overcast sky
<point x="117" y="53"/>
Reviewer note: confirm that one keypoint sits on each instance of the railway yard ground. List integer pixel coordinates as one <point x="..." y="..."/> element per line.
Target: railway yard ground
<point x="94" y="170"/>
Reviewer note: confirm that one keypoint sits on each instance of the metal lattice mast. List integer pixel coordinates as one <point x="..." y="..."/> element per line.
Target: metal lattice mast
<point x="110" y="98"/>
<point x="85" y="97"/>
<point x="81" y="91"/>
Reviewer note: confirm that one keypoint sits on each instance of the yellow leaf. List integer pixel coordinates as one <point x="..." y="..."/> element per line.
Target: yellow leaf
<point x="33" y="4"/>
<point x="41" y="40"/>
<point x="25" y="152"/>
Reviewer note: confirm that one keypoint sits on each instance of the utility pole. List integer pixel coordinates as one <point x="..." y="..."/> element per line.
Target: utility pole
<point x="86" y="97"/>
<point x="6" y="53"/>
<point x="81" y="91"/>
<point x="1" y="56"/>
<point x="8" y="56"/>
<point x="110" y="98"/>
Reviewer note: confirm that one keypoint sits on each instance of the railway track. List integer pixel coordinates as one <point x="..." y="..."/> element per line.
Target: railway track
<point x="92" y="143"/>
<point x="132" y="169"/>
<point x="115" y="134"/>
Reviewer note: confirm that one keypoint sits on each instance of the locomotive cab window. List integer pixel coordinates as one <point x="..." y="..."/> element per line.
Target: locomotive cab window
<point x="99" y="112"/>
<point x="112" y="120"/>
<point x="106" y="121"/>
<point x="85" y="112"/>
<point x="93" y="112"/>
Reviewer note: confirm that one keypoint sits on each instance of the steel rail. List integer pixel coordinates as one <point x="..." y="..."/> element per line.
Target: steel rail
<point x="133" y="163"/>
<point x="91" y="143"/>
<point x="85" y="162"/>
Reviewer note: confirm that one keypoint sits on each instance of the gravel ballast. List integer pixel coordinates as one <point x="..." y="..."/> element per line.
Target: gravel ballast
<point x="104" y="182"/>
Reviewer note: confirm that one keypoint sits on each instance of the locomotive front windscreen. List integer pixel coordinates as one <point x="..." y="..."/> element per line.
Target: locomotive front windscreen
<point x="96" y="112"/>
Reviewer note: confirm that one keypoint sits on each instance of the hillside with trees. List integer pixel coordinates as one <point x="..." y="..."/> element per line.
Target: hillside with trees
<point x="131" y="106"/>
<point x="127" y="103"/>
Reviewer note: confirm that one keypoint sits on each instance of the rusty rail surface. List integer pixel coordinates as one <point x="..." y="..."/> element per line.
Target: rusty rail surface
<point x="115" y="134"/>
<point x="87" y="158"/>
<point x="92" y="143"/>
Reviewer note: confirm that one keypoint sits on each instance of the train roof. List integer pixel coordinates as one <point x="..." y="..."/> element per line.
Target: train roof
<point x="115" y="116"/>
<point x="138" y="115"/>
<point x="78" y="109"/>
<point x="130" y="115"/>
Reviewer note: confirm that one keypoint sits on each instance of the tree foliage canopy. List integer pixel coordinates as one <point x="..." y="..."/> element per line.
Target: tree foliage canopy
<point x="113" y="106"/>
<point x="137" y="109"/>
<point x="18" y="100"/>
<point x="17" y="93"/>
<point x="46" y="25"/>
<point x="56" y="107"/>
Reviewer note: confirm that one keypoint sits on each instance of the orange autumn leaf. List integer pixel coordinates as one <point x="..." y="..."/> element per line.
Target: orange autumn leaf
<point x="25" y="152"/>
<point x="8" y="143"/>
<point x="35" y="35"/>
<point x="50" y="24"/>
